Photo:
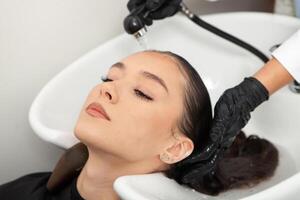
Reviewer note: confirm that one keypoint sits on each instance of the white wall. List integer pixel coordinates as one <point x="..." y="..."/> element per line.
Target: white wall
<point x="38" y="38"/>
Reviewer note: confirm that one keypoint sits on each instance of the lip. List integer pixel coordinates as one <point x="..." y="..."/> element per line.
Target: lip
<point x="96" y="110"/>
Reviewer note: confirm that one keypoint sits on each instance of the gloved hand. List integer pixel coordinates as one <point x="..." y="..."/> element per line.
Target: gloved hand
<point x="231" y="114"/>
<point x="148" y="10"/>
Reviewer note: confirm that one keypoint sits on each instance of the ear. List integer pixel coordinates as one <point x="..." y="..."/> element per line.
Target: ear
<point x="181" y="148"/>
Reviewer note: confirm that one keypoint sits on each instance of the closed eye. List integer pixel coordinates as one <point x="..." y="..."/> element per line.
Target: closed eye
<point x="138" y="93"/>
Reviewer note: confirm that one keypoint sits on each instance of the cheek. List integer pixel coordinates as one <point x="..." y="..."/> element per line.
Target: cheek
<point x="147" y="131"/>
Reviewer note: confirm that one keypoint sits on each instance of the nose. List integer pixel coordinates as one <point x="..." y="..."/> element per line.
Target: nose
<point x="108" y="92"/>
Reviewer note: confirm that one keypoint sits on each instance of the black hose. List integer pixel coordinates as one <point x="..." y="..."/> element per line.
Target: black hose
<point x="229" y="37"/>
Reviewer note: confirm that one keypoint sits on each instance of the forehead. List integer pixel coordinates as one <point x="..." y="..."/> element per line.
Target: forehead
<point x="162" y="65"/>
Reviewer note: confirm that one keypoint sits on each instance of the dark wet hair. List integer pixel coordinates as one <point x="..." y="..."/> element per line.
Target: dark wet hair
<point x="248" y="161"/>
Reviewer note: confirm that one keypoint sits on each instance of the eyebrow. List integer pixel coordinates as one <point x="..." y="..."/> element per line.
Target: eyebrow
<point x="146" y="74"/>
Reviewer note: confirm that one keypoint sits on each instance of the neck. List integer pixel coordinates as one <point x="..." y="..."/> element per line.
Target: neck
<point x="89" y="188"/>
<point x="97" y="176"/>
<point x="99" y="173"/>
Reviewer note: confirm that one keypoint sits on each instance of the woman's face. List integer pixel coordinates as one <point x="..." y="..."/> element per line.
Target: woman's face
<point x="139" y="126"/>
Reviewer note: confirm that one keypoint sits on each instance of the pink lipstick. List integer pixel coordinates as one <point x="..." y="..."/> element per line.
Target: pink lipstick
<point x="96" y="110"/>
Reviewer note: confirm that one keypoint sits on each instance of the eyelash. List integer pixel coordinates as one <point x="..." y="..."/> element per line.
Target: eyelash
<point x="137" y="92"/>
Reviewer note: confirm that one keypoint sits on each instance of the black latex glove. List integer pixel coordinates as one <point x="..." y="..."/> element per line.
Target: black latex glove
<point x="148" y="10"/>
<point x="231" y="114"/>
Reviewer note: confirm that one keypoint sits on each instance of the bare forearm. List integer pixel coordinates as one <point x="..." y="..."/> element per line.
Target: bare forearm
<point x="273" y="76"/>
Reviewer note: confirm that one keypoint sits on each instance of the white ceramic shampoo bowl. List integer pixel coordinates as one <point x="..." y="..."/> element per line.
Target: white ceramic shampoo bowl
<point x="221" y="65"/>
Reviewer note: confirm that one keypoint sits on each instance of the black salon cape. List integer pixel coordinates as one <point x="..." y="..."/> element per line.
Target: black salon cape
<point x="33" y="187"/>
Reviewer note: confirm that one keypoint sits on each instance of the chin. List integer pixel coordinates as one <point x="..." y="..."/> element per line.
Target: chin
<point x="90" y="133"/>
<point x="78" y="132"/>
<point x="82" y="128"/>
